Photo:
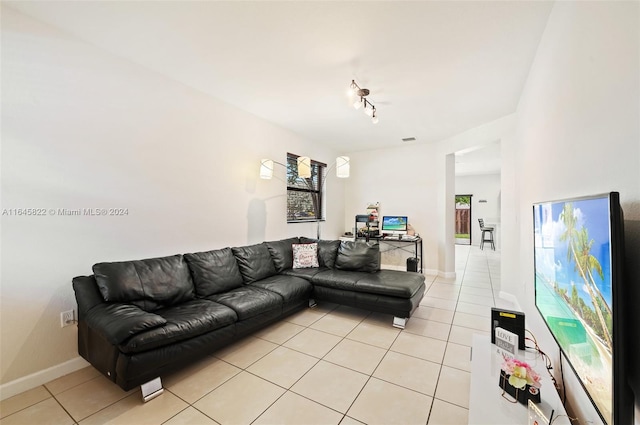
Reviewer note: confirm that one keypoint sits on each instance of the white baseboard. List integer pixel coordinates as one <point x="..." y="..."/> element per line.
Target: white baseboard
<point x="447" y="275"/>
<point x="390" y="267"/>
<point x="28" y="382"/>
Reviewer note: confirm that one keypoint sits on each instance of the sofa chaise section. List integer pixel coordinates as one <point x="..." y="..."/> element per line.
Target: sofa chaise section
<point x="349" y="273"/>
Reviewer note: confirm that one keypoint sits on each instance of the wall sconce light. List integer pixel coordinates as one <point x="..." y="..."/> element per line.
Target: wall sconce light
<point x="304" y="170"/>
<point x="342" y="167"/>
<point x="266" y="169"/>
<point x="360" y="94"/>
<point x="304" y="167"/>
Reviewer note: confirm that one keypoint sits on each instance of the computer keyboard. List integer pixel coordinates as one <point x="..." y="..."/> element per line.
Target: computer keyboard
<point x="403" y="238"/>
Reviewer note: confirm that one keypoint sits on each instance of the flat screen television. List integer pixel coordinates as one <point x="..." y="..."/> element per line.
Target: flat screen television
<point x="580" y="293"/>
<point x="394" y="224"/>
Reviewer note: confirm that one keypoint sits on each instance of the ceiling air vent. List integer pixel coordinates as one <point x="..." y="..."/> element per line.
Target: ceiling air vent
<point x="409" y="139"/>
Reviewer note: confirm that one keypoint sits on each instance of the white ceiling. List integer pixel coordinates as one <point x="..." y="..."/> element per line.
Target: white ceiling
<point x="484" y="159"/>
<point x="434" y="68"/>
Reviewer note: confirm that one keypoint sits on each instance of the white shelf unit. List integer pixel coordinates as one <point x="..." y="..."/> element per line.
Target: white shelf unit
<point x="486" y="404"/>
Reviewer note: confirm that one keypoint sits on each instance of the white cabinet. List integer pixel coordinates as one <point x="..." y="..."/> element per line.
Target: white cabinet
<point x="486" y="404"/>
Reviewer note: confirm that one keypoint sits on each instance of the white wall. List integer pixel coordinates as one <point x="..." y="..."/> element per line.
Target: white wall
<point x="577" y="133"/>
<point x="403" y="181"/>
<point x="418" y="180"/>
<point x="84" y="129"/>
<point x="483" y="187"/>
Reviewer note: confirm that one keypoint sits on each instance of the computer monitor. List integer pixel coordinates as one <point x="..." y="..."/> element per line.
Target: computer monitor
<point x="394" y="225"/>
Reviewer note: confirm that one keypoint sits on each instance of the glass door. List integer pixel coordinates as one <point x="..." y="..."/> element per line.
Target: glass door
<point x="463" y="219"/>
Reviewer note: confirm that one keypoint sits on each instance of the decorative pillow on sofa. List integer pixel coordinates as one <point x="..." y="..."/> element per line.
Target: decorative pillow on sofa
<point x="305" y="255"/>
<point x="358" y="256"/>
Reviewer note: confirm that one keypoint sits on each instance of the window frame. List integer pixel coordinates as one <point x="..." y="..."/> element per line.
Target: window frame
<point x="321" y="173"/>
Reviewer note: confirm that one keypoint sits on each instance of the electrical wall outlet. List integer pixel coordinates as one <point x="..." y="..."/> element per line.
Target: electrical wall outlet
<point x="67" y="318"/>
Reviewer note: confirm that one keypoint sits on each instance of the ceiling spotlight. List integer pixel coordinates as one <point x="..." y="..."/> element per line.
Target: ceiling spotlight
<point x="369" y="108"/>
<point x="352" y="90"/>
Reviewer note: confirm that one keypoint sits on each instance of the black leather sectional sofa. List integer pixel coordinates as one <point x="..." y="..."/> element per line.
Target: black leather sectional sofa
<point x="138" y="320"/>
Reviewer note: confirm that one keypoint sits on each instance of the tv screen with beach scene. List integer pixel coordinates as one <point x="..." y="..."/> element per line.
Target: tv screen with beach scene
<point x="579" y="291"/>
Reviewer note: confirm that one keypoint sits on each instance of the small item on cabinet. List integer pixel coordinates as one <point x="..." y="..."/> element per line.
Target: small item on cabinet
<point x="537" y="416"/>
<point x="506" y="343"/>
<point x="519" y="381"/>
<point x="347" y="237"/>
<point x="513" y="321"/>
<point x="410" y="230"/>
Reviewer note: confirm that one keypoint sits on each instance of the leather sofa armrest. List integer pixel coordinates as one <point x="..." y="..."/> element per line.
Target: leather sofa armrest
<point x="117" y="322"/>
<point x="87" y="294"/>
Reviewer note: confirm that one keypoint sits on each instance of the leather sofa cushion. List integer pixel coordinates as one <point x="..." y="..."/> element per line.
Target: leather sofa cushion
<point x="184" y="321"/>
<point x="303" y="273"/>
<point x="249" y="301"/>
<point x="340" y="279"/>
<point x="392" y="283"/>
<point x="401" y="307"/>
<point x="327" y="251"/>
<point x="290" y="288"/>
<point x="117" y="322"/>
<point x="385" y="282"/>
<point x="214" y="271"/>
<point x="254" y="262"/>
<point x="358" y="256"/>
<point x="282" y="253"/>
<point x="149" y="284"/>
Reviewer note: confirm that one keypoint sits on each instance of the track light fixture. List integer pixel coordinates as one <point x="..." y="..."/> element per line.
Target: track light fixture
<point x="359" y="95"/>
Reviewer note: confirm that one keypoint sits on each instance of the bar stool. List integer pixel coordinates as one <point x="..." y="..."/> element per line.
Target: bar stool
<point x="488" y="231"/>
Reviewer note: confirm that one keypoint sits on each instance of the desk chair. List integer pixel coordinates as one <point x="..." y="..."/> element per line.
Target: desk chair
<point x="486" y="231"/>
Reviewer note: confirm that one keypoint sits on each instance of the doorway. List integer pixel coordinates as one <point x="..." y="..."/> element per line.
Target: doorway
<point x="463" y="219"/>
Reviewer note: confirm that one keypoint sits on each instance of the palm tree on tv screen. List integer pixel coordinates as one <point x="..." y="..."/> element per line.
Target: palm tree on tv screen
<point x="584" y="263"/>
<point x="590" y="263"/>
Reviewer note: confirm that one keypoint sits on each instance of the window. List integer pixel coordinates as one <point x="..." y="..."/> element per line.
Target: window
<point x="304" y="195"/>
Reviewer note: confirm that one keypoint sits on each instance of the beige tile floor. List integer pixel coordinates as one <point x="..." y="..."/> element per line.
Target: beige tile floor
<point x="328" y="365"/>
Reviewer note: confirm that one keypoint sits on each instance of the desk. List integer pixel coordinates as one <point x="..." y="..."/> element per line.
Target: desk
<point x="402" y="244"/>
